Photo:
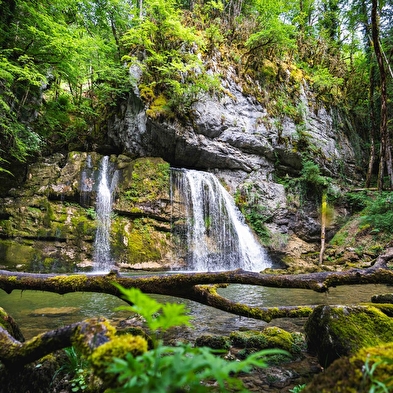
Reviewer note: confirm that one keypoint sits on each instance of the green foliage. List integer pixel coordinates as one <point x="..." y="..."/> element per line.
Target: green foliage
<point x="379" y="213"/>
<point x="311" y="175"/>
<point x="76" y="368"/>
<point x="357" y="200"/>
<point x="297" y="388"/>
<point x="310" y="182"/>
<point x="180" y="368"/>
<point x="325" y="83"/>
<point x="369" y="377"/>
<point x="170" y="314"/>
<point x="166" y="51"/>
<point x="60" y="70"/>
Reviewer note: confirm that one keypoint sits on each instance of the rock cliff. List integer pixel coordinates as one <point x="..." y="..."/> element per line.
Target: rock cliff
<point x="48" y="218"/>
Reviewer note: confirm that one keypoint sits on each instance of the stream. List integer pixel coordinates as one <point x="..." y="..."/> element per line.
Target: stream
<point x="37" y="311"/>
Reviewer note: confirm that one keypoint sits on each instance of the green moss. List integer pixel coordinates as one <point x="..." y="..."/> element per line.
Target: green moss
<point x="271" y="337"/>
<point x="214" y="342"/>
<point x="90" y="334"/>
<point x="339" y="238"/>
<point x="148" y="180"/>
<point x="343" y="330"/>
<point x="367" y="371"/>
<point x="118" y="347"/>
<point x="83" y="226"/>
<point x="278" y="338"/>
<point x="74" y="281"/>
<point x="13" y="252"/>
<point x="159" y="107"/>
<point x="367" y="326"/>
<point x="137" y="241"/>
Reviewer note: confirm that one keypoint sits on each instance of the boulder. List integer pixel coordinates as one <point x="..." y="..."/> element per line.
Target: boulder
<point x="368" y="370"/>
<point x="336" y="331"/>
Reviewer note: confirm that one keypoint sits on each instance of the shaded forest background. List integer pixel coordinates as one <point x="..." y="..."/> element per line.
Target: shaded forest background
<point x="64" y="65"/>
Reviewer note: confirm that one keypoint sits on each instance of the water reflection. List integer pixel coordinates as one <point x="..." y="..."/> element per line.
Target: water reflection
<point x="22" y="306"/>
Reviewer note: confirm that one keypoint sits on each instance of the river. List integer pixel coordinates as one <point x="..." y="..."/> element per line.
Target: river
<point x="37" y="311"/>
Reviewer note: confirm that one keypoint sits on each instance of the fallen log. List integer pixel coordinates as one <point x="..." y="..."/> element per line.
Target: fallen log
<point x="90" y="333"/>
<point x="200" y="287"/>
<point x="192" y="286"/>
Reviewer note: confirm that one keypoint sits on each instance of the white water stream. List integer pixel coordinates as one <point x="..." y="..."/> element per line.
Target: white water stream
<point x="212" y="231"/>
<point x="102" y="249"/>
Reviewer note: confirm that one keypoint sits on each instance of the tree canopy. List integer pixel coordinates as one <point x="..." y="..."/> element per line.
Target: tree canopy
<point x="65" y="64"/>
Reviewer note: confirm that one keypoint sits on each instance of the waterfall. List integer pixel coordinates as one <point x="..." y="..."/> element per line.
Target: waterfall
<point x="102" y="250"/>
<point x="86" y="182"/>
<point x="211" y="230"/>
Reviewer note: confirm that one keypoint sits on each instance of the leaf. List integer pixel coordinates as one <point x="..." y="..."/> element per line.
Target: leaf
<point x="173" y="314"/>
<point x="142" y="304"/>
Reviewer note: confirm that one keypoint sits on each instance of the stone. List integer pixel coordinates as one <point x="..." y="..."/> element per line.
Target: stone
<point x="54" y="311"/>
<point x="335" y="331"/>
<point x="368" y="370"/>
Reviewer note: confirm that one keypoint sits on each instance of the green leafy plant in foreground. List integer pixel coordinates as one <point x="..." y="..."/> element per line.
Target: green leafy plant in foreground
<point x="369" y="371"/>
<point x="181" y="368"/>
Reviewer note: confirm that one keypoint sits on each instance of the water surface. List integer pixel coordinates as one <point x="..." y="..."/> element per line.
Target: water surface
<point x="23" y="306"/>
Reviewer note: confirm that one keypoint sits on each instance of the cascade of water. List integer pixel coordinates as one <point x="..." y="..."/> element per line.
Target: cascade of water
<point x="86" y="182"/>
<point x="213" y="229"/>
<point x="102" y="250"/>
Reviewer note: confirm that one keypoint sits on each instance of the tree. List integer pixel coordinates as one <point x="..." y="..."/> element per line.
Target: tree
<point x="166" y="51"/>
<point x="385" y="158"/>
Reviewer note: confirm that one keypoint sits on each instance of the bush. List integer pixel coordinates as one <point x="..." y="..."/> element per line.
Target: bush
<point x="379" y="213"/>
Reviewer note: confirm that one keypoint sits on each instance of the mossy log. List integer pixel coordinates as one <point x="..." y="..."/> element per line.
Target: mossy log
<point x="195" y="286"/>
<point x="90" y="334"/>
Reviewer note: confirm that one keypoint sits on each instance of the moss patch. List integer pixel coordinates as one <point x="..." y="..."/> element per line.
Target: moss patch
<point x="137" y="241"/>
<point x="118" y="347"/>
<point x="355" y="375"/>
<point x="271" y="337"/>
<point x="146" y="179"/>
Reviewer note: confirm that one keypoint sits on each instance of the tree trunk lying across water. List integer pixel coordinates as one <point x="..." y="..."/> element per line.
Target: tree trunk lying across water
<point x="193" y="286"/>
<point x="197" y="286"/>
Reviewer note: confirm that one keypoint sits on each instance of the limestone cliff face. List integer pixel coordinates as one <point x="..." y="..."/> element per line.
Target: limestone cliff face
<point x="235" y="132"/>
<point x="236" y="138"/>
<point x="48" y="219"/>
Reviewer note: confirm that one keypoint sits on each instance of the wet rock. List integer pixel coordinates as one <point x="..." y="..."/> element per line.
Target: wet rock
<point x="54" y="311"/>
<point x="383" y="298"/>
<point x="335" y="331"/>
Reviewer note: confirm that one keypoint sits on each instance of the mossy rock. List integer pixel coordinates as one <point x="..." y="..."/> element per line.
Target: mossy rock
<point x="212" y="341"/>
<point x="383" y="298"/>
<point x="8" y="323"/>
<point x="271" y="337"/>
<point x="370" y="368"/>
<point x="117" y="347"/>
<point x="138" y="241"/>
<point x="145" y="179"/>
<point x="37" y="377"/>
<point x="13" y="253"/>
<point x="333" y="332"/>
